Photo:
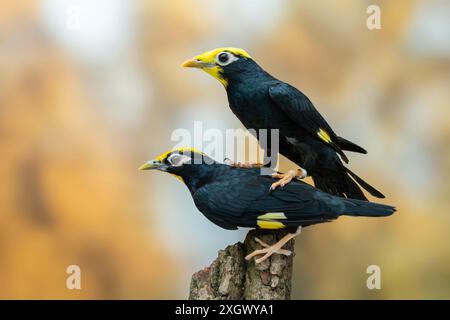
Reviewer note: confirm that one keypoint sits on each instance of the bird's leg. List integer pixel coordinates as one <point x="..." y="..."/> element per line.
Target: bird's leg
<point x="241" y="165"/>
<point x="268" y="250"/>
<point x="279" y="251"/>
<point x="285" y="178"/>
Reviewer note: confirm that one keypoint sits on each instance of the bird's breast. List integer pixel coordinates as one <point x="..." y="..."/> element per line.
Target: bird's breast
<point x="255" y="110"/>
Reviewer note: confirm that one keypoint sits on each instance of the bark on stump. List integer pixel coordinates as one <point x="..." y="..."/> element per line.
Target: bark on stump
<point x="231" y="277"/>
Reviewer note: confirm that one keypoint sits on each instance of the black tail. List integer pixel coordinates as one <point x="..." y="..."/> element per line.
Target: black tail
<point x="365" y="185"/>
<point x="367" y="209"/>
<point x="340" y="183"/>
<point x="349" y="146"/>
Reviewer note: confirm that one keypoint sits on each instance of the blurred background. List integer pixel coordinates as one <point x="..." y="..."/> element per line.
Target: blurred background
<point x="89" y="90"/>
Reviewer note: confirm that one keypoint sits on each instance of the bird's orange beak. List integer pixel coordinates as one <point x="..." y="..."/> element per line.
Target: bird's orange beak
<point x="151" y="165"/>
<point x="197" y="63"/>
<point x="206" y="62"/>
<point x="192" y="63"/>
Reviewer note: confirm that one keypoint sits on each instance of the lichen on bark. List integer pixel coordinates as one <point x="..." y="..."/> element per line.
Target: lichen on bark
<point x="230" y="276"/>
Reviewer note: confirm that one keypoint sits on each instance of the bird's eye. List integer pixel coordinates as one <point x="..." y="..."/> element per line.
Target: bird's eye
<point x="223" y="57"/>
<point x="178" y="160"/>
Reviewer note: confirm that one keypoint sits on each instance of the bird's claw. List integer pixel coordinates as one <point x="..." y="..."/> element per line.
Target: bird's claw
<point x="280" y="251"/>
<point x="287" y="177"/>
<point x="231" y="163"/>
<point x="267" y="251"/>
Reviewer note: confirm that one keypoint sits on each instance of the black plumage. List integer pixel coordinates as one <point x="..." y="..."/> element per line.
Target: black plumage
<point x="261" y="101"/>
<point x="234" y="197"/>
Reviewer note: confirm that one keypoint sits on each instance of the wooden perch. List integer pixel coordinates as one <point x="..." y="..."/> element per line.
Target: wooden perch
<point x="231" y="277"/>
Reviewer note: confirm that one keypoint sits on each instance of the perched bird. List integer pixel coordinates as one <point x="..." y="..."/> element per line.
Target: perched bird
<point x="233" y="197"/>
<point x="261" y="101"/>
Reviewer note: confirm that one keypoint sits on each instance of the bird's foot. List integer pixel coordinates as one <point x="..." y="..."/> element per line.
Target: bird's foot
<point x="287" y="177"/>
<point x="269" y="250"/>
<point x="231" y="163"/>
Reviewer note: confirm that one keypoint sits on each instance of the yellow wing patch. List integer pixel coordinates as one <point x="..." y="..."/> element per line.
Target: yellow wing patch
<point x="272" y="216"/>
<point x="266" y="221"/>
<point x="263" y="224"/>
<point x="324" y="135"/>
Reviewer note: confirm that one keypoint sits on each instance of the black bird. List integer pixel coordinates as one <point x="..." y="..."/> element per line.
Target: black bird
<point x="261" y="101"/>
<point x="233" y="197"/>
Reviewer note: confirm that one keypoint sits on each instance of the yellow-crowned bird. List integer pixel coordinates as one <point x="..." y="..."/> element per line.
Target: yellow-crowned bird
<point x="261" y="101"/>
<point x="233" y="197"/>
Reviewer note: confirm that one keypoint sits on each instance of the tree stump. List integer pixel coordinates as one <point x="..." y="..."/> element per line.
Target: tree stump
<point x="231" y="277"/>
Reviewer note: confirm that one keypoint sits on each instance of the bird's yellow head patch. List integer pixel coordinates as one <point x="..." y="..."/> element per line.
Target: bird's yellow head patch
<point x="174" y="158"/>
<point x="163" y="156"/>
<point x="212" y="62"/>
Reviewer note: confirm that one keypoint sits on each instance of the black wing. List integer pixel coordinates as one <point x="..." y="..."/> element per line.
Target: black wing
<point x="226" y="199"/>
<point x="245" y="200"/>
<point x="301" y="110"/>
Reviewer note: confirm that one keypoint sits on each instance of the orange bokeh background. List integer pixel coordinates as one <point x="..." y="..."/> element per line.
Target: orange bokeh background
<point x="89" y="90"/>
